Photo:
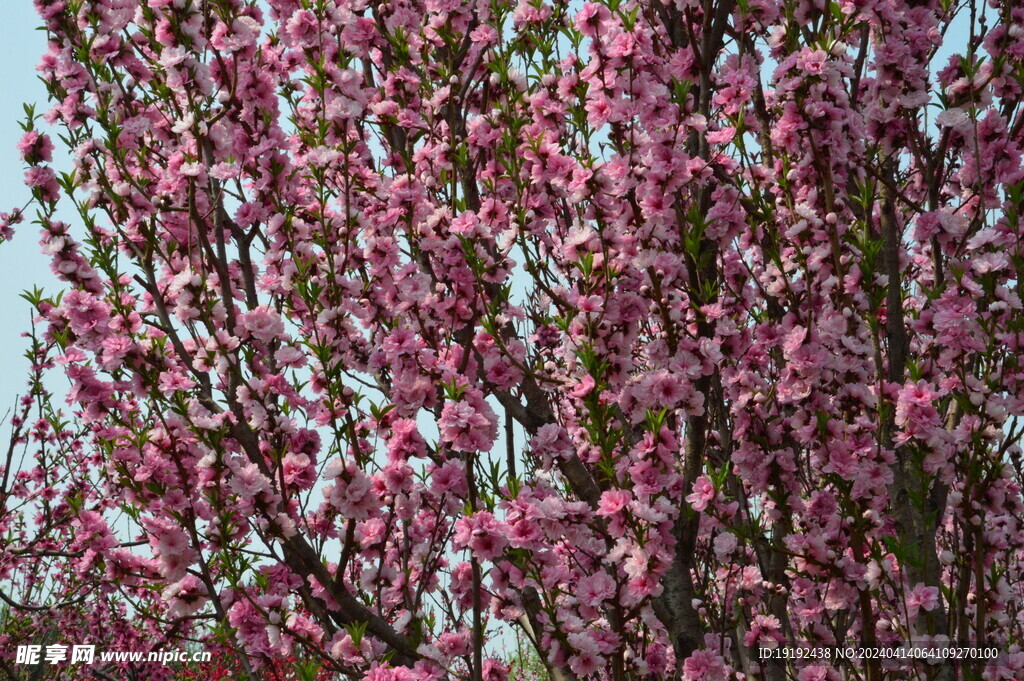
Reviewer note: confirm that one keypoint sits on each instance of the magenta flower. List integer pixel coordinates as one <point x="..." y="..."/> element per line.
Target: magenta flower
<point x="703" y="494"/>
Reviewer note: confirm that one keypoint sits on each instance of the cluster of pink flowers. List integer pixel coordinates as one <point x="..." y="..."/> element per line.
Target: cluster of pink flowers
<point x="643" y="333"/>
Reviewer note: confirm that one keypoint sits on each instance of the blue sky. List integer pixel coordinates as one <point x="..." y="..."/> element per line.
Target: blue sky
<point x="21" y="264"/>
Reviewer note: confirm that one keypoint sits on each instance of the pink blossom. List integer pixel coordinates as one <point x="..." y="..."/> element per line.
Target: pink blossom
<point x="353" y="497"/>
<point x="36" y="148"/>
<point x="596" y="589"/>
<point x="482" y="533"/>
<point x="263" y="323"/>
<point x="702" y="495"/>
<point x="593" y="19"/>
<point x="923" y="597"/>
<point x="613" y="501"/>
<point x="465" y="427"/>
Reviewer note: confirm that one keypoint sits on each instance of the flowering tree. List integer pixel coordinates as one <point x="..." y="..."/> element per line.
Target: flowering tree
<point x="645" y="333"/>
